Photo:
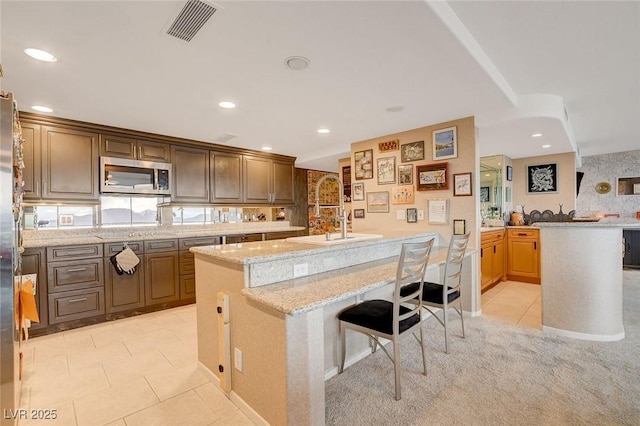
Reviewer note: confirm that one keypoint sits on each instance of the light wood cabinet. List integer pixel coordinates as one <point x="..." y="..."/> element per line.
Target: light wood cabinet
<point x="134" y="149"/>
<point x="523" y="255"/>
<point x="190" y="175"/>
<point x="492" y="258"/>
<point x="268" y="181"/>
<point x="226" y="178"/>
<point x="69" y="164"/>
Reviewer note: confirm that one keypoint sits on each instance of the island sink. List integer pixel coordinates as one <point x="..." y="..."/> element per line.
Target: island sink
<point x="334" y="238"/>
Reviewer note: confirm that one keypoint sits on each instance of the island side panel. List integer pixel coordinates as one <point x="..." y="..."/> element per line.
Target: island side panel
<point x="581" y="269"/>
<point x="277" y="350"/>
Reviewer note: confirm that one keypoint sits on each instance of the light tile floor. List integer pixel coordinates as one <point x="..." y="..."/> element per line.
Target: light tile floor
<point x="135" y="371"/>
<point x="515" y="302"/>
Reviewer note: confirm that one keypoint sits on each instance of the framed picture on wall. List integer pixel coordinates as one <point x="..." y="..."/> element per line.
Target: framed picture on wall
<point x="378" y="202"/>
<point x="484" y="194"/>
<point x="412" y="215"/>
<point x="386" y="170"/>
<point x="462" y="184"/>
<point x="363" y="164"/>
<point x="405" y="174"/>
<point x="542" y="179"/>
<point x="402" y="194"/>
<point x="413" y="151"/>
<point x="509" y="173"/>
<point x="357" y="192"/>
<point x="445" y="143"/>
<point x="431" y="177"/>
<point x="358" y="213"/>
<point x="459" y="227"/>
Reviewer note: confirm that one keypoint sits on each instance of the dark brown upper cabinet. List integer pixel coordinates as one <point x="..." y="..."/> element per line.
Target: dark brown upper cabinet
<point x="268" y="181"/>
<point x="134" y="149"/>
<point x="190" y="174"/>
<point x="226" y="178"/>
<point x="31" y="153"/>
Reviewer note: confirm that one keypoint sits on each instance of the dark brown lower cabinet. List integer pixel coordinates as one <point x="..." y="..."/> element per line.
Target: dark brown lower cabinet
<point x="161" y="281"/>
<point x="123" y="292"/>
<point x="34" y="262"/>
<point x="75" y="304"/>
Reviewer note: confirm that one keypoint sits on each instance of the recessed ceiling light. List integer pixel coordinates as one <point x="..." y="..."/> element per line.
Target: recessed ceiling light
<point x="546" y="146"/>
<point x="395" y="108"/>
<point x="536" y="135"/>
<point x="487" y="175"/>
<point x="266" y="148"/>
<point x="40" y="55"/>
<point x="226" y="104"/>
<point x="324" y="130"/>
<point x="41" y="108"/>
<point x="296" y="63"/>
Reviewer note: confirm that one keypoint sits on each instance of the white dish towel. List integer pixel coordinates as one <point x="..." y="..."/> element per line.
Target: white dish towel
<point x="127" y="260"/>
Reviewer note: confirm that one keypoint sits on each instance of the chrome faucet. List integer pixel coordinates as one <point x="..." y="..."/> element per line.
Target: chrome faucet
<point x="342" y="214"/>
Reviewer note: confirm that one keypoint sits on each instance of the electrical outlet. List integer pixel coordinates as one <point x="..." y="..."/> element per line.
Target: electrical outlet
<point x="237" y="359"/>
<point x="420" y="214"/>
<point x="300" y="270"/>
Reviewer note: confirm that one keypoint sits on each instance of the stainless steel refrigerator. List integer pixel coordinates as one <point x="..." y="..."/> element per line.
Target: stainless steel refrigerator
<point x="9" y="265"/>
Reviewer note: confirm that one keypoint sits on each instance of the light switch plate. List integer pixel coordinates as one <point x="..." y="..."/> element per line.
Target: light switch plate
<point x="401" y="214"/>
<point x="300" y="270"/>
<point x="420" y="214"/>
<point x="237" y="359"/>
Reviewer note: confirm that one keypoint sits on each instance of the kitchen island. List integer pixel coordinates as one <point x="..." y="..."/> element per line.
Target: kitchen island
<point x="282" y="331"/>
<point x="581" y="268"/>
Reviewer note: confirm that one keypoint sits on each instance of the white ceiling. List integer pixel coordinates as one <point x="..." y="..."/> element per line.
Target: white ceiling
<point x="515" y="66"/>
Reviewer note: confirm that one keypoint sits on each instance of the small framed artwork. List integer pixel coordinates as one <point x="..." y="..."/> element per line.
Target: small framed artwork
<point x="507" y="194"/>
<point x="405" y="174"/>
<point x="357" y="192"/>
<point x="388" y="146"/>
<point x="412" y="215"/>
<point x="402" y="194"/>
<point x="358" y="213"/>
<point x="378" y="202"/>
<point x="413" y="151"/>
<point x="542" y="179"/>
<point x="484" y="194"/>
<point x="459" y="227"/>
<point x="431" y="177"/>
<point x="386" y="170"/>
<point x="363" y="164"/>
<point x="509" y="173"/>
<point x="445" y="143"/>
<point x="438" y="211"/>
<point x="462" y="184"/>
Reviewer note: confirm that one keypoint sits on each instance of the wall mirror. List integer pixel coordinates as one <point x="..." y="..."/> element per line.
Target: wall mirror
<point x="491" y="186"/>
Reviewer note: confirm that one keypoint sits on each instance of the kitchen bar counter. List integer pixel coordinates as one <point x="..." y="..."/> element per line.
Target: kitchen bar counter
<point x="581" y="272"/>
<point x="285" y="331"/>
<point x="63" y="237"/>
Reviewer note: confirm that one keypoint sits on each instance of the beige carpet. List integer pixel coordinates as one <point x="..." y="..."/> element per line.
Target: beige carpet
<point x="500" y="374"/>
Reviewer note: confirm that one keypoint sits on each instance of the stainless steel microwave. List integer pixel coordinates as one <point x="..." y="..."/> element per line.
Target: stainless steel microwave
<point x="124" y="176"/>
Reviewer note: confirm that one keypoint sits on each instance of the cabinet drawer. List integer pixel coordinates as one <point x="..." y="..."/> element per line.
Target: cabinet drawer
<point x="63" y="276"/>
<point x="280" y="235"/>
<point x="243" y="238"/>
<point x="492" y="236"/>
<point x="187" y="243"/>
<point x="115" y="248"/>
<point x="187" y="263"/>
<point x="523" y="233"/>
<point x="73" y="252"/>
<point x="77" y="304"/>
<point x="158" y="246"/>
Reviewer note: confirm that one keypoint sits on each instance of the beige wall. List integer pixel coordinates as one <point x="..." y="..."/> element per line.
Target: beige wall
<point x="566" y="194"/>
<point x="459" y="207"/>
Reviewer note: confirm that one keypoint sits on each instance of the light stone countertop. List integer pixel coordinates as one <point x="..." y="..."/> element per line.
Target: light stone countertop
<point x="277" y="250"/>
<point x="607" y="222"/>
<point x="301" y="295"/>
<point x="49" y="238"/>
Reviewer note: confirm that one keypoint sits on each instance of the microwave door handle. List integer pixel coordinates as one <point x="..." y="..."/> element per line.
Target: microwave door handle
<point x="155" y="179"/>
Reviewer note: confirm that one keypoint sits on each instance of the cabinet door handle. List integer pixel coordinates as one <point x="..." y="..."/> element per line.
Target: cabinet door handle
<point x="481" y="252"/>
<point x="522" y="234"/>
<point x="535" y="245"/>
<point x="76" y="269"/>
<point x="139" y="153"/>
<point x="82" y="299"/>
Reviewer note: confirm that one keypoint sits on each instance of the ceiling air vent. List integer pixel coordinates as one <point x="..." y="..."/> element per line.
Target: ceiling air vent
<point x="191" y="18"/>
<point x="224" y="138"/>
